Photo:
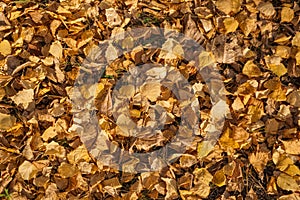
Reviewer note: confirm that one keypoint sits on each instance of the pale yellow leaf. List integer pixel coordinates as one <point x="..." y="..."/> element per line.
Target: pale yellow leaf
<point x="24" y="97"/>
<point x="27" y="170"/>
<point x="287" y="182"/>
<point x="56" y="50"/>
<point x="292" y="146"/>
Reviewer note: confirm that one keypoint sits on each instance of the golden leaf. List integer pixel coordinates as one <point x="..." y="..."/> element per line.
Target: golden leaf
<point x="66" y="170"/>
<point x="27" y="170"/>
<point x="287" y="14"/>
<point x="78" y="155"/>
<point x="279" y="70"/>
<point x="228" y="6"/>
<point x="296" y="40"/>
<point x="251" y="70"/>
<point x="6" y="121"/>
<point x="5" y="48"/>
<point x="292" y="147"/>
<point x="24" y="97"/>
<point x="230" y="24"/>
<point x="259" y="160"/>
<point x="219" y="178"/>
<point x="56" y="50"/>
<point x="287" y="182"/>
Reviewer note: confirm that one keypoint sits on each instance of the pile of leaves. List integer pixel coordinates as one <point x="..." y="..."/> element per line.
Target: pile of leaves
<point x="256" y="45"/>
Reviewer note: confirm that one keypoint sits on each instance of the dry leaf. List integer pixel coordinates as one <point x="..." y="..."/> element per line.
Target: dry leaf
<point x="292" y="147"/>
<point x="27" y="170"/>
<point x="296" y="39"/>
<point x="56" y="50"/>
<point x="287" y="182"/>
<point x="230" y="24"/>
<point x="251" y="70"/>
<point x="78" y="155"/>
<point x="6" y="122"/>
<point x="287" y="14"/>
<point x="259" y="160"/>
<point x="66" y="170"/>
<point x="5" y="48"/>
<point x="219" y="178"/>
<point x="24" y="97"/>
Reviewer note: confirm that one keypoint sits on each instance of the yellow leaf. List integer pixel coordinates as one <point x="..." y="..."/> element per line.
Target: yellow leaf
<point x="251" y="70"/>
<point x="27" y="170"/>
<point x="283" y="51"/>
<point x="204" y="148"/>
<point x="56" y="50"/>
<point x="230" y="24"/>
<point x="279" y="70"/>
<point x="205" y="59"/>
<point x="79" y="154"/>
<point x="202" y="176"/>
<point x="287" y="182"/>
<point x="229" y="6"/>
<point x="267" y="9"/>
<point x="297" y="58"/>
<point x="259" y="160"/>
<point x="292" y="147"/>
<point x="24" y="97"/>
<point x="66" y="170"/>
<point x="296" y="40"/>
<point x="287" y="14"/>
<point x="5" y="48"/>
<point x="219" y="178"/>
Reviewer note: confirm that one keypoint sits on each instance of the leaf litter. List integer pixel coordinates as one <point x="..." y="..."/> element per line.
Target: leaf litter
<point x="256" y="45"/>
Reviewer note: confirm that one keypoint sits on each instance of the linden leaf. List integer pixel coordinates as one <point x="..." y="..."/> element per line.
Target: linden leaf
<point x="27" y="170"/>
<point x="66" y="170"/>
<point x="56" y="50"/>
<point x="292" y="147"/>
<point x="287" y="182"/>
<point x="251" y="70"/>
<point x="24" y="97"/>
<point x="230" y="24"/>
<point x="287" y="14"/>
<point x="279" y="70"/>
<point x="79" y="154"/>
<point x="6" y="121"/>
<point x="296" y="40"/>
<point x="219" y="178"/>
<point x="5" y="48"/>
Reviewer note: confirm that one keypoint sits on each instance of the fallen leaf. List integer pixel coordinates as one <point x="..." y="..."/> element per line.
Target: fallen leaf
<point x="219" y="178"/>
<point x="56" y="50"/>
<point x="66" y="170"/>
<point x="251" y="70"/>
<point x="5" y="48"/>
<point x="24" y="97"/>
<point x="292" y="147"/>
<point x="287" y="182"/>
<point x="6" y="121"/>
<point x="287" y="14"/>
<point x="230" y="24"/>
<point x="27" y="170"/>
